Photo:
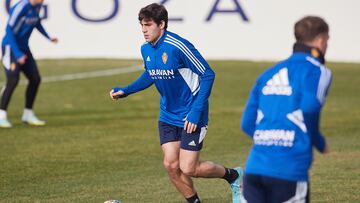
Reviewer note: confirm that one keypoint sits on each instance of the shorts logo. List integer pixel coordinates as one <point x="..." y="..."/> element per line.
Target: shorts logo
<point x="164" y="57"/>
<point x="192" y="143"/>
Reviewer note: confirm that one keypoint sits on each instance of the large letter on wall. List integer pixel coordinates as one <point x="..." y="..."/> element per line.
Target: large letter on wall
<point x="171" y="19"/>
<point x="237" y="10"/>
<point x="112" y="15"/>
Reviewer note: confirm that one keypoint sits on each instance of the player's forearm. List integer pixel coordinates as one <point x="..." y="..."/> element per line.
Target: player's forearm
<point x="42" y="30"/>
<point x="143" y="82"/>
<point x="312" y="121"/>
<point x="311" y="108"/>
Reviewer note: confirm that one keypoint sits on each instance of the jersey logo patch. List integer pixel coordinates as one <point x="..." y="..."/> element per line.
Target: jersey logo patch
<point x="13" y="66"/>
<point x="315" y="53"/>
<point x="278" y="84"/>
<point x="260" y="116"/>
<point x="164" y="57"/>
<point x="298" y="119"/>
<point x="148" y="59"/>
<point x="274" y="137"/>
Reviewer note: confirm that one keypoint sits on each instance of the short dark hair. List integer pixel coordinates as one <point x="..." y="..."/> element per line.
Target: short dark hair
<point x="155" y="12"/>
<point x="309" y="27"/>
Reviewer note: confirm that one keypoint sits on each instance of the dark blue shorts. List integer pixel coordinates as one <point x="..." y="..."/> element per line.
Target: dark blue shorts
<point x="189" y="141"/>
<point x="264" y="189"/>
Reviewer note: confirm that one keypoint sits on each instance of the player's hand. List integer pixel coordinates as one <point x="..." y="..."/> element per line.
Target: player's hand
<point x="22" y="59"/>
<point x="326" y="150"/>
<point x="189" y="127"/>
<point x="116" y="95"/>
<point x="54" y="40"/>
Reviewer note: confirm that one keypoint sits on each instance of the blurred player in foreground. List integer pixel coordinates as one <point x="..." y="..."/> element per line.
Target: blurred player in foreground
<point x="282" y="117"/>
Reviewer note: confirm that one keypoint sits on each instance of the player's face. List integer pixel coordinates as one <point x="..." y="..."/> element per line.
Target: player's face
<point x="151" y="30"/>
<point x="324" y="43"/>
<point x="36" y="2"/>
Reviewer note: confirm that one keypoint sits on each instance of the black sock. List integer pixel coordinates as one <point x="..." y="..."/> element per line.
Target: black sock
<point x="193" y="199"/>
<point x="230" y="175"/>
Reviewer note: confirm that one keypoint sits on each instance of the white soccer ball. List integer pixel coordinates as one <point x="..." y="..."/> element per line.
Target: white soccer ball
<point x="112" y="201"/>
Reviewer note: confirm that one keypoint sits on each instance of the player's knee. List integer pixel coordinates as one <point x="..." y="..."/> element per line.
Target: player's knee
<point x="12" y="82"/>
<point x="35" y="80"/>
<point x="171" y="166"/>
<point x="189" y="170"/>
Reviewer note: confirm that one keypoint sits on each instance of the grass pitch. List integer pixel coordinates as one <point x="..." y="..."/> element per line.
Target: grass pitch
<point x="94" y="149"/>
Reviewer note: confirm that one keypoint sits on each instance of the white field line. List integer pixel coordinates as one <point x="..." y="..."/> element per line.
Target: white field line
<point x="90" y="74"/>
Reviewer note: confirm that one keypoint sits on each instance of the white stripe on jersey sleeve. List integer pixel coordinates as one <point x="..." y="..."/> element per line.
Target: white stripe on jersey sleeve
<point x="188" y="50"/>
<point x="16" y="12"/>
<point x="181" y="44"/>
<point x="191" y="79"/>
<point x="324" y="81"/>
<point x="191" y="59"/>
<point x="19" y="24"/>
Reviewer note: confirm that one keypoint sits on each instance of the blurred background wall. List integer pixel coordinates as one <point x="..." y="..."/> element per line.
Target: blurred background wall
<point x="220" y="29"/>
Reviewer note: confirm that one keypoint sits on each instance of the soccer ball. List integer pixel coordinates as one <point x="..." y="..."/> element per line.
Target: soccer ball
<point x="112" y="201"/>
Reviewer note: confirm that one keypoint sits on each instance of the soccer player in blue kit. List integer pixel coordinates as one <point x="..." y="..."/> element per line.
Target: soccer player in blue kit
<point x="282" y="117"/>
<point x="184" y="80"/>
<point x="16" y="57"/>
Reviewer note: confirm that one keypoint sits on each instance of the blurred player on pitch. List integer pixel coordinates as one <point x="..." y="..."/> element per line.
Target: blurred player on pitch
<point x="17" y="57"/>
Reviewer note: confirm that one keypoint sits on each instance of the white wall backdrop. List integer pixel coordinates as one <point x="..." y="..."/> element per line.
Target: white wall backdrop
<point x="266" y="35"/>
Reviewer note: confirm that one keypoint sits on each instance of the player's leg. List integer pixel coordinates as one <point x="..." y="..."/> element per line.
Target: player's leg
<point x="32" y="74"/>
<point x="191" y="165"/>
<point x="11" y="69"/>
<point x="182" y="182"/>
<point x="169" y="139"/>
<point x="254" y="190"/>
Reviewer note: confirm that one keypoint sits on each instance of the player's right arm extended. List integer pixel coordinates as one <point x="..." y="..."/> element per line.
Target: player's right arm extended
<point x="143" y="82"/>
<point x="42" y="30"/>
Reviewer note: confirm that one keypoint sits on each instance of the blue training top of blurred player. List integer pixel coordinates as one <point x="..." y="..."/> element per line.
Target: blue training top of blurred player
<point x="182" y="77"/>
<point x="282" y="116"/>
<point x="23" y="19"/>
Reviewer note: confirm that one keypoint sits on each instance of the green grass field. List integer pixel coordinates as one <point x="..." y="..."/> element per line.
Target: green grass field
<point x="94" y="149"/>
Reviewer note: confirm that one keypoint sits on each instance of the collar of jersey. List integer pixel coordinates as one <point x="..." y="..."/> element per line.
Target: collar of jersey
<point x="160" y="41"/>
<point x="312" y="51"/>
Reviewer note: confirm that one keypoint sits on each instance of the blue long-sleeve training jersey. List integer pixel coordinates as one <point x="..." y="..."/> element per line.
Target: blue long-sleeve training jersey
<point x="282" y="116"/>
<point x="23" y="19"/>
<point x="181" y="75"/>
